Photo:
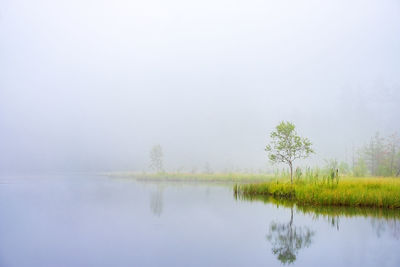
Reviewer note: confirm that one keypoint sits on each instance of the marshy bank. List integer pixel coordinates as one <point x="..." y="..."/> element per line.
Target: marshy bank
<point x="351" y="192"/>
<point x="374" y="192"/>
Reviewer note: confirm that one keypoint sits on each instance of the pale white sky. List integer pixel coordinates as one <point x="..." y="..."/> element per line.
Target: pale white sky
<point x="93" y="85"/>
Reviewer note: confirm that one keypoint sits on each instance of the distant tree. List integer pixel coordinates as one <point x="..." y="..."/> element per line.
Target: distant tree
<point x="156" y="159"/>
<point x="286" y="146"/>
<point x="360" y="168"/>
<point x="381" y="156"/>
<point x="375" y="155"/>
<point x="393" y="145"/>
<point x="156" y="202"/>
<point x="398" y="164"/>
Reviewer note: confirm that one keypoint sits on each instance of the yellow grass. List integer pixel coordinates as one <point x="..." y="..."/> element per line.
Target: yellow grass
<point x="354" y="192"/>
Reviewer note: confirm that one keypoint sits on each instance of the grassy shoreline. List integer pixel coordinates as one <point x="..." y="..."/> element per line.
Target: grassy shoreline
<point x="373" y="192"/>
<point x="351" y="192"/>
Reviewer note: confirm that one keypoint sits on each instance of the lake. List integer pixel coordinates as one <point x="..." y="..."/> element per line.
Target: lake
<point x="92" y="220"/>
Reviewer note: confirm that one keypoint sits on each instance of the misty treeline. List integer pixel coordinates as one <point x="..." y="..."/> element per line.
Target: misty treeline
<point x="156" y="159"/>
<point x="379" y="157"/>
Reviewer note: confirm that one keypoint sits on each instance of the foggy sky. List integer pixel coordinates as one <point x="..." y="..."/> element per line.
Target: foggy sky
<point x="93" y="85"/>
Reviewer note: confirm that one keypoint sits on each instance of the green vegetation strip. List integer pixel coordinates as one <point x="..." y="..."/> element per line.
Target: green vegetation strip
<point x="352" y="192"/>
<point x="196" y="177"/>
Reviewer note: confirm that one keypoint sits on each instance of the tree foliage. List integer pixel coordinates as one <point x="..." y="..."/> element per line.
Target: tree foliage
<point x="380" y="157"/>
<point x="156" y="159"/>
<point x="287" y="240"/>
<point x="286" y="146"/>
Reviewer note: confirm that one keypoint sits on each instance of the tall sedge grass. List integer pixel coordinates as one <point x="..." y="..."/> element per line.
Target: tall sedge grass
<point x="354" y="192"/>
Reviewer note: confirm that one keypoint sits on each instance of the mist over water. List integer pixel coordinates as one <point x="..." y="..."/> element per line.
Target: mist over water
<point x="94" y="85"/>
<point x="86" y="220"/>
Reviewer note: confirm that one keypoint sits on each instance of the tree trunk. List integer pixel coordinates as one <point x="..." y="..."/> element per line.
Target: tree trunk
<point x="291" y="173"/>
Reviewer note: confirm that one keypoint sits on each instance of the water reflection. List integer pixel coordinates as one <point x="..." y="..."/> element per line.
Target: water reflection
<point x="287" y="239"/>
<point x="391" y="226"/>
<point x="156" y="202"/>
<point x="71" y="222"/>
<point x="382" y="220"/>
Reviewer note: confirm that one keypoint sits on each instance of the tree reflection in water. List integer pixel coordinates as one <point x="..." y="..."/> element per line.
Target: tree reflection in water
<point x="287" y="239"/>
<point x="156" y="202"/>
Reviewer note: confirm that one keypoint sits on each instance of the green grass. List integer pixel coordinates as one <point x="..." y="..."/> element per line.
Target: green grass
<point x="312" y="190"/>
<point x="352" y="192"/>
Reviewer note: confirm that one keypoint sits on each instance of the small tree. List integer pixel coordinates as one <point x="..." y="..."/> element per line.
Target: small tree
<point x="156" y="156"/>
<point x="286" y="146"/>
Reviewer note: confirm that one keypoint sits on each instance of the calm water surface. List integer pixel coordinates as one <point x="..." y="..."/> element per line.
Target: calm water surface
<point x="87" y="220"/>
